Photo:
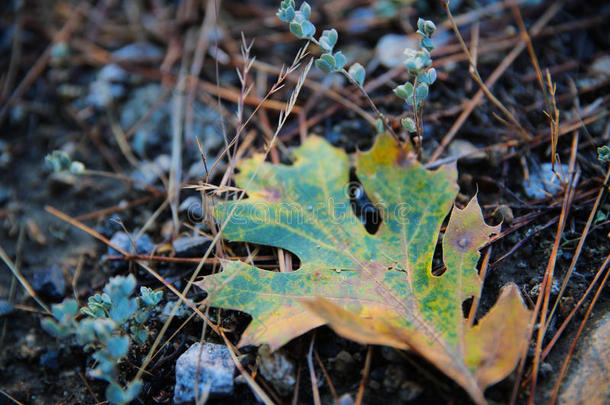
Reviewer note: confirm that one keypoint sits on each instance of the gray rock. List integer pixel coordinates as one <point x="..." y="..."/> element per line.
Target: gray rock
<point x="601" y="66"/>
<point x="191" y="246"/>
<point x="50" y="360"/>
<point x="5" y="195"/>
<point x="409" y="391"/>
<point x="113" y="73"/>
<point x="214" y="166"/>
<point x="278" y="369"/>
<point x="155" y="134"/>
<point x="182" y="312"/>
<point x="215" y="375"/>
<point x="6" y="308"/>
<point x="360" y="19"/>
<point x="120" y="239"/>
<point x="391" y="49"/>
<point x="586" y="380"/>
<point x="346" y="399"/>
<point x="344" y="362"/>
<point x="394" y="377"/>
<point x="555" y="288"/>
<point x="140" y="52"/>
<point x="49" y="283"/>
<point x="149" y="172"/>
<point x="107" y="87"/>
<point x="543" y="181"/>
<point x="391" y="354"/>
<point x="465" y="151"/>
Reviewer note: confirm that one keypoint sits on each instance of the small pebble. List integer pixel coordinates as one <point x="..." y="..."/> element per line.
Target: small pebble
<point x="543" y="181"/>
<point x="391" y="49"/>
<point x="6" y="308"/>
<point x="140" y="52"/>
<point x="49" y="283"/>
<point x="409" y="391"/>
<point x="601" y="66"/>
<point x="391" y="354"/>
<point x="120" y="239"/>
<point x="555" y="287"/>
<point x="393" y="378"/>
<point x="586" y="380"/>
<point x="466" y="151"/>
<point x="192" y="246"/>
<point x="50" y="360"/>
<point x="215" y="375"/>
<point x="346" y="399"/>
<point x="344" y="362"/>
<point x="148" y="172"/>
<point x="278" y="369"/>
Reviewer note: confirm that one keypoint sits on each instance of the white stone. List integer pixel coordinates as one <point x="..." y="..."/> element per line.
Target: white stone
<point x="215" y="376"/>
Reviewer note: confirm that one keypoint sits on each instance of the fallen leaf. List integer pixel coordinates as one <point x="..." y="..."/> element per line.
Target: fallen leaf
<point x="375" y="289"/>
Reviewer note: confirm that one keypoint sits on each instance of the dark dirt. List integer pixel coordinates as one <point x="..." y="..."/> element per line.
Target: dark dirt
<point x="37" y="369"/>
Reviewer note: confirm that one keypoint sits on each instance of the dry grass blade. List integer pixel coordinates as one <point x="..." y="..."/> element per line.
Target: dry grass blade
<point x="22" y="280"/>
<point x="579" y="247"/>
<point x="365" y="375"/>
<point x="10" y="397"/>
<point x="216" y="239"/>
<point x="553" y="116"/>
<point x="312" y="372"/>
<point x="544" y="297"/>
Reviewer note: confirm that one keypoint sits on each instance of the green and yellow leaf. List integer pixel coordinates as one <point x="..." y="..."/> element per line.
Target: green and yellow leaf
<point x="375" y="289"/>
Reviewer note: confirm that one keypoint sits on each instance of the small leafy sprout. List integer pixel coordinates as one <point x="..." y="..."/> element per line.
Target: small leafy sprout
<point x="408" y="124"/>
<point x="63" y="323"/>
<point x="387" y="8"/>
<point x="59" y="161"/>
<point x="299" y="22"/>
<point x="357" y="72"/>
<point x="418" y="64"/>
<point x="379" y="126"/>
<point x="97" y="306"/>
<point x="331" y="63"/>
<point x="603" y="153"/>
<point x="328" y="40"/>
<point x="114" y="319"/>
<point x="302" y="28"/>
<point x="286" y="12"/>
<point x="119" y="289"/>
<point x="149" y="297"/>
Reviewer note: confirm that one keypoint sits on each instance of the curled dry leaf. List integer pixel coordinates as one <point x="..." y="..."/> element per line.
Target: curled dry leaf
<point x="376" y="289"/>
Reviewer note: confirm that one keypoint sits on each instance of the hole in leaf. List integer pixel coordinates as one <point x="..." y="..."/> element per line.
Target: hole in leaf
<point x="362" y="206"/>
<point x="438" y="267"/>
<point x="466" y="305"/>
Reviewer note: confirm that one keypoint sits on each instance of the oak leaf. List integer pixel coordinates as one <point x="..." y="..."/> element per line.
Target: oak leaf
<point x="371" y="288"/>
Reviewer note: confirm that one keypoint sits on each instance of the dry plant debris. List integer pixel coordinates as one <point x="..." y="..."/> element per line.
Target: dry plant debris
<point x="376" y="289"/>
